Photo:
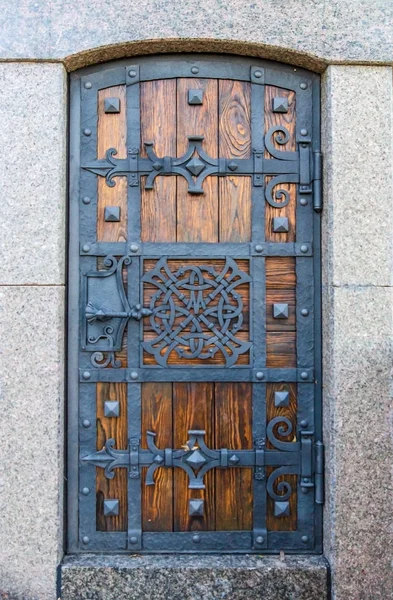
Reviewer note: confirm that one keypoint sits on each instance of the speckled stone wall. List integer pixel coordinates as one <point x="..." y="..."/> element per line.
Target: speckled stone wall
<point x="344" y="40"/>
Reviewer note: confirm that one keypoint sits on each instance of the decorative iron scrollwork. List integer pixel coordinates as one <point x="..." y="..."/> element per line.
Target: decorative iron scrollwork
<point x="107" y="312"/>
<point x="196" y="312"/>
<point x="195" y="165"/>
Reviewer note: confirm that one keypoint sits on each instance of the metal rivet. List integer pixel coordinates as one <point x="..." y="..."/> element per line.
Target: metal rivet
<point x="86" y="248"/>
<point x="196" y="539"/>
<point x="306" y="480"/>
<point x="304" y="539"/>
<point x="303" y="85"/>
<point x="133" y="540"/>
<point x="132" y="73"/>
<point x="258" y="248"/>
<point x="86" y="200"/>
<point x="304" y="248"/>
<point x="304" y="375"/>
<point x="86" y="491"/>
<point x="304" y="312"/>
<point x="259" y="375"/>
<point x="259" y="539"/>
<point x="194" y="70"/>
<point x="87" y="132"/>
<point x="134" y="247"/>
<point x="86" y="375"/>
<point x="258" y="74"/>
<point x="86" y="423"/>
<point x="304" y="423"/>
<point x="303" y="201"/>
<point x="85" y="539"/>
<point x="88" y="85"/>
<point x="134" y="375"/>
<point x="303" y="132"/>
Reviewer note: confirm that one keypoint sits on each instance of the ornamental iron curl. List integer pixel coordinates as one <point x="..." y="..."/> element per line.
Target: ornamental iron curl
<point x="195" y="165"/>
<point x="107" y="312"/>
<point x="196" y="312"/>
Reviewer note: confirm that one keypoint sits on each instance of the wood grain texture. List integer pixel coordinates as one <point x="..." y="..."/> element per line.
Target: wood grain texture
<point x="111" y="133"/>
<point x="288" y="120"/>
<point x="193" y="408"/>
<point x="234" y="142"/>
<point x="281" y="349"/>
<point x="280" y="273"/>
<point x="116" y="428"/>
<point x="233" y="430"/>
<point x="197" y="215"/>
<point x="288" y="523"/>
<point x="157" y="500"/>
<point x="158" y="125"/>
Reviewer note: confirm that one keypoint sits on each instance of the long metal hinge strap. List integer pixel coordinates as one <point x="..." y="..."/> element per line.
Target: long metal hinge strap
<point x="306" y="464"/>
<point x="317" y="181"/>
<point x="305" y="166"/>
<point x="319" y="472"/>
<point x="259" y="459"/>
<point x="134" y="459"/>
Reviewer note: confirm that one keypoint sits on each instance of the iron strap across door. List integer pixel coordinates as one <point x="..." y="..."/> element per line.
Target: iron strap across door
<point x="173" y="308"/>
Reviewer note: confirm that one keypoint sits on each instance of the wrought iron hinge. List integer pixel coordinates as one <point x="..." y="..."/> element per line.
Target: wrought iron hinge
<point x="319" y="451"/>
<point x="317" y="181"/>
<point x="312" y="464"/>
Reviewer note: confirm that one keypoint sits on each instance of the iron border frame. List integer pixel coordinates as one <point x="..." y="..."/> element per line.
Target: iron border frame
<point x="235" y="68"/>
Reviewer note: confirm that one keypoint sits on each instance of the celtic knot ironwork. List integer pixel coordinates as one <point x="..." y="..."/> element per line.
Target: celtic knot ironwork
<point x="196" y="312"/>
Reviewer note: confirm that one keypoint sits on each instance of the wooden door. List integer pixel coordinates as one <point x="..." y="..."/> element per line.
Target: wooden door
<point x="194" y="419"/>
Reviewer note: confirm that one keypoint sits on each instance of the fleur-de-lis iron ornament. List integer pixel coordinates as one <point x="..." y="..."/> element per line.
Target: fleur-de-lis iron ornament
<point x="195" y="165"/>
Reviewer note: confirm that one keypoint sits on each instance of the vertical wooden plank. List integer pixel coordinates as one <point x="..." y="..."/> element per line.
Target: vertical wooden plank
<point x="111" y="133"/>
<point x="234" y="142"/>
<point x="158" y="125"/>
<point x="233" y="427"/>
<point x="193" y="408"/>
<point x="281" y="333"/>
<point x="197" y="215"/>
<point x="288" y="120"/>
<point x="158" y="224"/>
<point x="284" y="523"/>
<point x="116" y="428"/>
<point x="157" y="505"/>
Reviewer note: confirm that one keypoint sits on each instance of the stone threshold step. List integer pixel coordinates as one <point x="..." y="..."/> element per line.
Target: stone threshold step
<point x="193" y="577"/>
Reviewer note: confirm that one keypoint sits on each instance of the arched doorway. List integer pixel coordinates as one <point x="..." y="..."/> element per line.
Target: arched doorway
<point x="194" y="363"/>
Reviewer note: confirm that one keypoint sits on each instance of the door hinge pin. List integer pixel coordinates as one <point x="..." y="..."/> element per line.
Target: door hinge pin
<point x="319" y="469"/>
<point x="317" y="181"/>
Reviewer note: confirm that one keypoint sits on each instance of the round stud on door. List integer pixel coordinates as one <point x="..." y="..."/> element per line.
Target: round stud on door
<point x="133" y="540"/>
<point x="259" y="539"/>
<point x="196" y="539"/>
<point x="304" y="248"/>
<point x="303" y="201"/>
<point x="132" y="73"/>
<point x="303" y="85"/>
<point x="85" y="539"/>
<point x="194" y="70"/>
<point x="86" y="491"/>
<point x="88" y="85"/>
<point x="86" y="375"/>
